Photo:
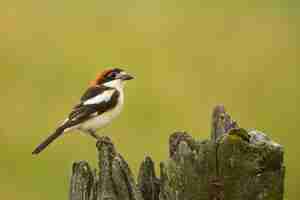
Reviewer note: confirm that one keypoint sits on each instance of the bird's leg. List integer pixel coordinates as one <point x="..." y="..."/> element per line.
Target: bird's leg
<point x="93" y="134"/>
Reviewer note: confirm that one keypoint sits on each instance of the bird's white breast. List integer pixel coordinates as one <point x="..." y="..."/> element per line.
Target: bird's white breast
<point x="107" y="117"/>
<point x="103" y="119"/>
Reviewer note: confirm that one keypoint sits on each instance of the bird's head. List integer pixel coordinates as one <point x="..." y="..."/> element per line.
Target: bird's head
<point x="111" y="75"/>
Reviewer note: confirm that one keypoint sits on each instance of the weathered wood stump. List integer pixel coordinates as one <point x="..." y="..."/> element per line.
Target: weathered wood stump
<point x="236" y="164"/>
<point x="114" y="181"/>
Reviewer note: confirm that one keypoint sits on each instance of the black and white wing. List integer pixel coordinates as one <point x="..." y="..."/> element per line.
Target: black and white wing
<point x="95" y="101"/>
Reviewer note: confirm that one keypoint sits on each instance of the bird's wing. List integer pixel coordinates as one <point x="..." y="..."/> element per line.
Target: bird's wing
<point x="94" y="102"/>
<point x="93" y="92"/>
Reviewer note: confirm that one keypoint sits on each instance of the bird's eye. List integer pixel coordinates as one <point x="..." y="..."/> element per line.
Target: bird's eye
<point x="113" y="74"/>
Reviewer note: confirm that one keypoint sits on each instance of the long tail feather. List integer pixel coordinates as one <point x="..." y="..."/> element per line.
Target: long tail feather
<point x="49" y="140"/>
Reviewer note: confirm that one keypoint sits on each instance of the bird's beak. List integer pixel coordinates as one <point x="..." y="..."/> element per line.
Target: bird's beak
<point x="124" y="76"/>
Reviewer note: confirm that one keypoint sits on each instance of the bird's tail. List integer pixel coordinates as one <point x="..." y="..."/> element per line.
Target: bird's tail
<point x="49" y="140"/>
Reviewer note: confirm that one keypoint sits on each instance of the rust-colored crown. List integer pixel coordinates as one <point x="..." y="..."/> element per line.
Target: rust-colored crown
<point x="99" y="77"/>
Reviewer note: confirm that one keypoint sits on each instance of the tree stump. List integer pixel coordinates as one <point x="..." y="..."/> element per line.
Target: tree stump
<point x="236" y="164"/>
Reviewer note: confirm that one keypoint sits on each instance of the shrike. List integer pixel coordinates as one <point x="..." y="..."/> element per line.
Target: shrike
<point x="99" y="105"/>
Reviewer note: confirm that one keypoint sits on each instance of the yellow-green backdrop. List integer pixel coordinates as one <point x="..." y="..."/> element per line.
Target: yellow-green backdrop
<point x="187" y="56"/>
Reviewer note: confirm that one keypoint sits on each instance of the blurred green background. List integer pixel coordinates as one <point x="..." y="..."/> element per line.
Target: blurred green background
<point x="187" y="56"/>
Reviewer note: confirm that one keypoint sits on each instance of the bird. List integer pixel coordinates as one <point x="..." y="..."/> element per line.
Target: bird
<point x="98" y="106"/>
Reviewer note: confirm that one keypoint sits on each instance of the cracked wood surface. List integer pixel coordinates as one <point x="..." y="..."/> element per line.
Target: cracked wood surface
<point x="236" y="164"/>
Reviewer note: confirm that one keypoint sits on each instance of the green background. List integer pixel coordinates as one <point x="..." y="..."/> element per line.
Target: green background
<point x="187" y="56"/>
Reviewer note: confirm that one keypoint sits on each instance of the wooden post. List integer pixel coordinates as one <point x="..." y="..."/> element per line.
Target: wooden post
<point x="236" y="164"/>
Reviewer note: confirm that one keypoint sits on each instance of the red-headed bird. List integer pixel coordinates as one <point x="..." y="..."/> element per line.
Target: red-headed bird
<point x="99" y="105"/>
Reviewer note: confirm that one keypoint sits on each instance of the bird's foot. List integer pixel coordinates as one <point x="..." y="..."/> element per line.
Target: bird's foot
<point x="94" y="135"/>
